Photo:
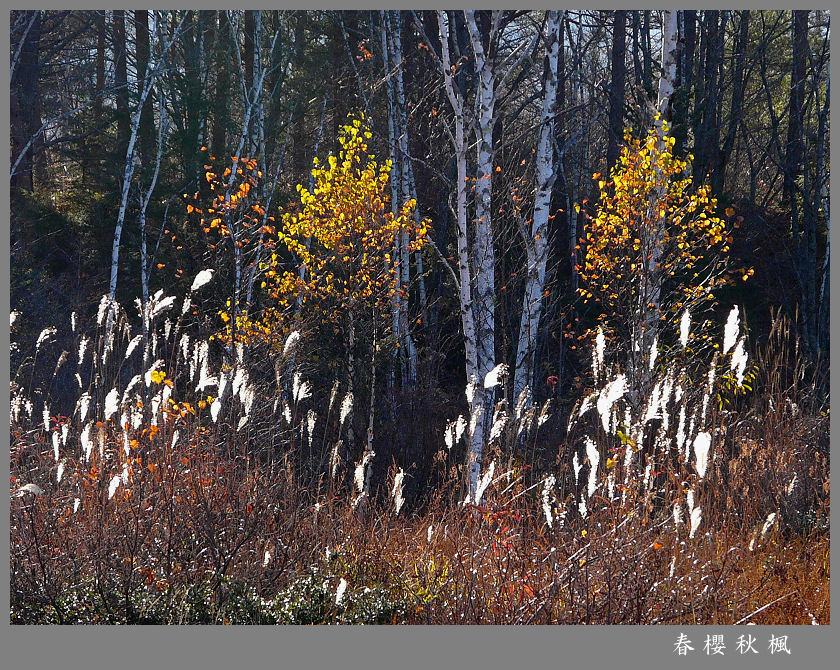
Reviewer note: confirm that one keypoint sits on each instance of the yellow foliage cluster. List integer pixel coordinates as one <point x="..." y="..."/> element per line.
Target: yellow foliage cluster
<point x="648" y="203"/>
<point x="344" y="234"/>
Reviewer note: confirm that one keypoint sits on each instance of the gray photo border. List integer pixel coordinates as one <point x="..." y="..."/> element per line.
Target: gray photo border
<point x="465" y="647"/>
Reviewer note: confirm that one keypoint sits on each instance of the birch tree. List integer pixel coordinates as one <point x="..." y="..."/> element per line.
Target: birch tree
<point x="536" y="235"/>
<point x="152" y="72"/>
<point x="483" y="253"/>
<point x="647" y="318"/>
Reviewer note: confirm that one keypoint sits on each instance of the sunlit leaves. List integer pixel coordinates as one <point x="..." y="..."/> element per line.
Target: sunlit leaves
<point x="342" y="232"/>
<point x="649" y="200"/>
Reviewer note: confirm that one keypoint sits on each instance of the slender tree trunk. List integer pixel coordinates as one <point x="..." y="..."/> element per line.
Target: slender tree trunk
<point x="536" y="237"/>
<point x="707" y="138"/>
<point x="618" y="74"/>
<point x="459" y="142"/>
<point x="484" y="254"/>
<point x="128" y="175"/>
<point x="300" y="168"/>
<point x="823" y="177"/>
<point x="794" y="193"/>
<point x="100" y="66"/>
<point x="147" y="117"/>
<point x="646" y="327"/>
<point x="404" y="162"/>
<point x="736" y="105"/>
<point x="145" y="270"/>
<point x="221" y="108"/>
<point x="121" y="83"/>
<point x="647" y="54"/>
<point x="248" y="63"/>
<point x="396" y="178"/>
<point x="637" y="50"/>
<point x="26" y="108"/>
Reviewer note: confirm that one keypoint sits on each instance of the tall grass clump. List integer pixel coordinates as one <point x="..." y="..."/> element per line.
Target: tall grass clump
<point x="188" y="480"/>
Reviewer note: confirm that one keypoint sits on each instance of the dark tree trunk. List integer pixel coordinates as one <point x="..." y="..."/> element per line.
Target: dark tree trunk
<point x="706" y="140"/>
<point x="647" y="56"/>
<point x="637" y="61"/>
<point x="121" y="84"/>
<point x="146" y="131"/>
<point x="618" y="73"/>
<point x="194" y="102"/>
<point x="736" y="105"/>
<point x="26" y="110"/>
<point x="300" y="156"/>
<point x="803" y="226"/>
<point x="248" y="60"/>
<point x="100" y="66"/>
<point x="221" y="109"/>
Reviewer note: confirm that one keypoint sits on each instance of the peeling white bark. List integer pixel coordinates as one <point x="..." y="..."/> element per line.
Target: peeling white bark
<point x="536" y="237"/>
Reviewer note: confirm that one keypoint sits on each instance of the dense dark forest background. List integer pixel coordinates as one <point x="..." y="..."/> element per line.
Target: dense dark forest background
<point x="149" y="146"/>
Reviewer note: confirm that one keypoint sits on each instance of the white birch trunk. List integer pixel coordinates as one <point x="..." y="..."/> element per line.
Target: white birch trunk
<point x="484" y="255"/>
<point x="460" y="146"/>
<point x="650" y="294"/>
<point x="144" y="264"/>
<point x="128" y="174"/>
<point x="536" y="238"/>
<point x="401" y="128"/>
<point x="396" y="301"/>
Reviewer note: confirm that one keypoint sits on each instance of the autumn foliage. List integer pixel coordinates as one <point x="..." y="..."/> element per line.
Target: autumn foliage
<point x="648" y="209"/>
<point x="342" y="234"/>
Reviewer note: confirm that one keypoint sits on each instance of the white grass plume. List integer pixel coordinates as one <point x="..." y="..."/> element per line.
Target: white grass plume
<point x="86" y="440"/>
<point x="494" y="377"/>
<point x="34" y="489"/>
<point x="768" y="523"/>
<point x="82" y="349"/>
<point x="685" y="328"/>
<point x="346" y="408"/>
<point x="215" y="408"/>
<point x="112" y="403"/>
<point x="582" y="507"/>
<point x="608" y="396"/>
<point x="738" y="362"/>
<point x="522" y="402"/>
<point x="696" y="518"/>
<point x="112" y="486"/>
<point x="498" y="425"/>
<point x="45" y="335"/>
<point x="594" y="459"/>
<point x="730" y="330"/>
<point x="201" y="279"/>
<point x="469" y="391"/>
<point x="460" y="427"/>
<point x="576" y="465"/>
<point x="546" y="495"/>
<point x="311" y="419"/>
<point x="104" y="302"/>
<point x="132" y="346"/>
<point x="162" y="306"/>
<point x="701" y="451"/>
